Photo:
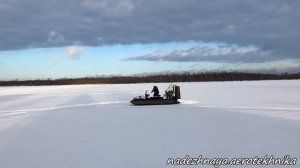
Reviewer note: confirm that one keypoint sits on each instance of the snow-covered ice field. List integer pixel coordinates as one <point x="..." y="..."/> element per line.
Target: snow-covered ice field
<point x="95" y="126"/>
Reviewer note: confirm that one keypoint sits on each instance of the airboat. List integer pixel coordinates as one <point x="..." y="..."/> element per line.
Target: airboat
<point x="171" y="96"/>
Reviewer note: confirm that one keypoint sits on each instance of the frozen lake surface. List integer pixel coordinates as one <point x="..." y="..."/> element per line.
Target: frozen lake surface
<point x="92" y="126"/>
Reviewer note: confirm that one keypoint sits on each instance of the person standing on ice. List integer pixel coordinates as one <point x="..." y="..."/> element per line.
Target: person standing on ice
<point x="156" y="92"/>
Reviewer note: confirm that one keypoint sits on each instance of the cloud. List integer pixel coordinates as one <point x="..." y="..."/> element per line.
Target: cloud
<point x="112" y="8"/>
<point x="217" y="53"/>
<point x="74" y="52"/>
<point x="223" y="57"/>
<point x="272" y="26"/>
<point x="273" y="67"/>
<point x="276" y="67"/>
<point x="55" y="37"/>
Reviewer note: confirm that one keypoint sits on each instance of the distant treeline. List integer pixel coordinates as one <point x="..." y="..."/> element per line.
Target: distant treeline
<point x="174" y="77"/>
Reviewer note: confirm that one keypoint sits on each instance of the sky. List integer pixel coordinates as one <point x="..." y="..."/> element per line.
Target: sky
<point x="42" y="39"/>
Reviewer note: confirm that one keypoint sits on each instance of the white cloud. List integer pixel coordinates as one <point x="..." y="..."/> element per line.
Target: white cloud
<point x="210" y="53"/>
<point x="55" y="37"/>
<point x="74" y="51"/>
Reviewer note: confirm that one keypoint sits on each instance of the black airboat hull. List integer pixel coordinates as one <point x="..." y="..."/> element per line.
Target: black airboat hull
<point x="153" y="101"/>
